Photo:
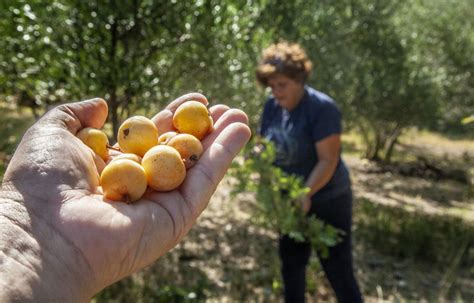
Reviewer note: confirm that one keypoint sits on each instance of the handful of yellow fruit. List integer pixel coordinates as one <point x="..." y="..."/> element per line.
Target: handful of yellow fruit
<point x="147" y="158"/>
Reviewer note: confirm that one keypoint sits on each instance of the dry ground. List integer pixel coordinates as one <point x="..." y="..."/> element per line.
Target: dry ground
<point x="227" y="259"/>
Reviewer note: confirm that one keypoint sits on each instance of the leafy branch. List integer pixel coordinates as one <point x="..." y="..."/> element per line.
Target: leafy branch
<point x="276" y="193"/>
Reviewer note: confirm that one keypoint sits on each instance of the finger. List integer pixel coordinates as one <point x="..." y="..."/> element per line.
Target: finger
<point x="217" y="111"/>
<point x="99" y="162"/>
<point x="203" y="178"/>
<point x="113" y="153"/>
<point x="164" y="119"/>
<point x="75" y="116"/>
<point x="188" y="97"/>
<point x="228" y="117"/>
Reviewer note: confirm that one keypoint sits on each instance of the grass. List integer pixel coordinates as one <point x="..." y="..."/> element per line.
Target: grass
<point x="403" y="255"/>
<point x="414" y="143"/>
<point x="394" y="231"/>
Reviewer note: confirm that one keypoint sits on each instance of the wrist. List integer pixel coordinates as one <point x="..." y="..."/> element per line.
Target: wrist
<point x="34" y="260"/>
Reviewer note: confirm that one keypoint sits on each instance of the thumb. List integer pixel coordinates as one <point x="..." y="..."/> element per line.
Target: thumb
<point x="78" y="115"/>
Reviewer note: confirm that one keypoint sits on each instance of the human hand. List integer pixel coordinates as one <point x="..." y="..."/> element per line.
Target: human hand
<point x="60" y="240"/>
<point x="305" y="203"/>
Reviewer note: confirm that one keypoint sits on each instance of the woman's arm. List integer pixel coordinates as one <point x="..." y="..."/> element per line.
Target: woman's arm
<point x="328" y="158"/>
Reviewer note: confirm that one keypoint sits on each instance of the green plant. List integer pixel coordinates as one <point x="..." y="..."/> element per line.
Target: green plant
<point x="276" y="194"/>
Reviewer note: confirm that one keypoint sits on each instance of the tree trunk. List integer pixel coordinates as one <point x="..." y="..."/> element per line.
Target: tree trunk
<point x="114" y="102"/>
<point x="113" y="112"/>
<point x="34" y="111"/>
<point x="366" y="137"/>
<point x="392" y="141"/>
<point x="375" y="152"/>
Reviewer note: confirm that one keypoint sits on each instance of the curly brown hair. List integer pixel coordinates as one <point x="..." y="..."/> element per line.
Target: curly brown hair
<point x="285" y="58"/>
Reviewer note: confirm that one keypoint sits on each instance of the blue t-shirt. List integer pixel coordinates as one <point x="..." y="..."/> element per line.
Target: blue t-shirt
<point x="295" y="133"/>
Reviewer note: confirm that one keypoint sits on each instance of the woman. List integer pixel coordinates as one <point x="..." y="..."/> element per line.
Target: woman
<point x="305" y="126"/>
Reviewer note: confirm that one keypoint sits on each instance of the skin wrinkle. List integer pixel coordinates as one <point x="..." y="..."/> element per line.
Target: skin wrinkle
<point x="16" y="220"/>
<point x="219" y="148"/>
<point x="11" y="284"/>
<point x="38" y="133"/>
<point x="34" y="212"/>
<point x="138" y="252"/>
<point x="39" y="154"/>
<point x="70" y="199"/>
<point x="131" y="264"/>
<point x="117" y="214"/>
<point x="182" y="232"/>
<point x="146" y="230"/>
<point x="171" y="217"/>
<point x="18" y="249"/>
<point x="202" y="171"/>
<point x="73" y="122"/>
<point x="67" y="118"/>
<point x="72" y="174"/>
<point x="59" y="257"/>
<point x="91" y="173"/>
<point x="74" y="248"/>
<point x="46" y="251"/>
<point x="176" y="234"/>
<point x="143" y="244"/>
<point x="37" y="160"/>
<point x="39" y="215"/>
<point x="13" y="259"/>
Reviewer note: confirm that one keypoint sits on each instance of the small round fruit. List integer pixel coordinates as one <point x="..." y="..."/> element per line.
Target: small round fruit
<point x="137" y="135"/>
<point x="96" y="139"/>
<point x="192" y="117"/>
<point x="164" y="138"/>
<point x="188" y="146"/>
<point x="123" y="180"/>
<point x="132" y="157"/>
<point x="164" y="168"/>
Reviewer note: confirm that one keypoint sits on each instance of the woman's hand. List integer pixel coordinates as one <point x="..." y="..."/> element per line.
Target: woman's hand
<point x="305" y="204"/>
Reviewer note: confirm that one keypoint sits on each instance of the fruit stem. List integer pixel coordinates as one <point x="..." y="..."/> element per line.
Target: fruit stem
<point x="113" y="147"/>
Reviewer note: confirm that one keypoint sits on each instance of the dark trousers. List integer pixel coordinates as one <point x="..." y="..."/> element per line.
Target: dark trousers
<point x="337" y="266"/>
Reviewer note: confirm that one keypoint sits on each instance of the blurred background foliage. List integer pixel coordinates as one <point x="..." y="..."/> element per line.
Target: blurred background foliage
<point x="389" y="64"/>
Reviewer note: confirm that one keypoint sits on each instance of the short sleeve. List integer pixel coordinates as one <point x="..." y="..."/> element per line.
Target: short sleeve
<point x="326" y="122"/>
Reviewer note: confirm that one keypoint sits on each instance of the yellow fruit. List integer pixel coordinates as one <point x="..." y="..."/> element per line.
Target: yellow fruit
<point x="96" y="139"/>
<point x="123" y="180"/>
<point x="164" y="168"/>
<point x="137" y="135"/>
<point x="188" y="146"/>
<point x="192" y="117"/>
<point x="164" y="138"/>
<point x="132" y="157"/>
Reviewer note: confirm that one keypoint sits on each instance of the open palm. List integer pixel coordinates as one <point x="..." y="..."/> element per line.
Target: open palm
<point x="91" y="242"/>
